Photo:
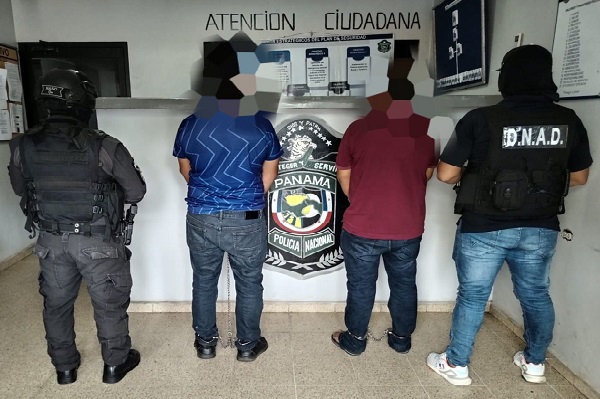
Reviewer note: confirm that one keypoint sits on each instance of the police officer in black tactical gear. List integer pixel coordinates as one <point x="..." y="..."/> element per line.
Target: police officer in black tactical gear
<point x="74" y="182"/>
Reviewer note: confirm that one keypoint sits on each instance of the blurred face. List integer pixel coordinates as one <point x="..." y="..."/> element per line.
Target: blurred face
<point x="381" y="101"/>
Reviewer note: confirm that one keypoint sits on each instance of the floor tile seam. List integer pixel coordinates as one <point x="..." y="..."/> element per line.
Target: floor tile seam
<point x="575" y="388"/>
<point x="490" y="391"/>
<point x="417" y="375"/>
<point x="503" y="341"/>
<point x="558" y="393"/>
<point x="483" y="381"/>
<point x="356" y="385"/>
<point x="295" y="383"/>
<point x="449" y="387"/>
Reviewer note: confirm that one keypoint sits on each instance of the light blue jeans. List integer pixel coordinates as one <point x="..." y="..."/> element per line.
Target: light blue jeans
<point x="245" y="241"/>
<point x="479" y="257"/>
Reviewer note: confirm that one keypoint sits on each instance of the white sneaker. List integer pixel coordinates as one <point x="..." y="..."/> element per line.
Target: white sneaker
<point x="457" y="375"/>
<point x="531" y="372"/>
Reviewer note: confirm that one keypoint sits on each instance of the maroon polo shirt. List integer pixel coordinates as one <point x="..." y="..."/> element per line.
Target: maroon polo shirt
<point x="388" y="159"/>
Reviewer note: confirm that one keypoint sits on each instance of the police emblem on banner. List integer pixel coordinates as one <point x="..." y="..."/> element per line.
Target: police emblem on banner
<point x="305" y="202"/>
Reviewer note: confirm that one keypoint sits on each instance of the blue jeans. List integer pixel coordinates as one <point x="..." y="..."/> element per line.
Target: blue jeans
<point x="362" y="256"/>
<point x="245" y="241"/>
<point x="479" y="257"/>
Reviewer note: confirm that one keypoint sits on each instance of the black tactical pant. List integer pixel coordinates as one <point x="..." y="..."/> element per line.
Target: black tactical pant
<point x="64" y="260"/>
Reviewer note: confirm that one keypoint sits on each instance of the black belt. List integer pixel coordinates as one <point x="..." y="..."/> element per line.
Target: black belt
<point x="248" y="215"/>
<point x="77" y="228"/>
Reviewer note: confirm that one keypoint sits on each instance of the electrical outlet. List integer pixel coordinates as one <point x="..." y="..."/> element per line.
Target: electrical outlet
<point x="518" y="40"/>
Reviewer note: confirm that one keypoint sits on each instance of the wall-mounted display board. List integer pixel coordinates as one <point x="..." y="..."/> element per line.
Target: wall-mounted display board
<point x="11" y="94"/>
<point x="460" y="44"/>
<point x="348" y="65"/>
<point x="575" y="50"/>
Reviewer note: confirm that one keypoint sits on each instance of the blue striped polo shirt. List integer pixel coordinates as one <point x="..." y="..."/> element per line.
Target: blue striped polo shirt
<point x="226" y="155"/>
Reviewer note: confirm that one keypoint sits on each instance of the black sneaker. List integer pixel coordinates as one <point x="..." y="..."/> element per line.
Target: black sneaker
<point x="204" y="350"/>
<point x="114" y="374"/>
<point x="251" y="354"/>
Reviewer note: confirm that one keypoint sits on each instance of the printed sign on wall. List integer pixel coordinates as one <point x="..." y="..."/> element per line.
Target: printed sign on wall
<point x="350" y="65"/>
<point x="305" y="202"/>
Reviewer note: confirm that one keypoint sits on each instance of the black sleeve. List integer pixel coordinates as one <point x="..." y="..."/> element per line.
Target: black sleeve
<point x="460" y="146"/>
<point x="580" y="157"/>
<point x="17" y="178"/>
<point x="124" y="170"/>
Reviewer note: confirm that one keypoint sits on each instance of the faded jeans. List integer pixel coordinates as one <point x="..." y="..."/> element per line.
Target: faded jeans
<point x="479" y="257"/>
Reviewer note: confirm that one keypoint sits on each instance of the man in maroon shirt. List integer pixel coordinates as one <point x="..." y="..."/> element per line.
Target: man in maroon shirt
<point x="384" y="162"/>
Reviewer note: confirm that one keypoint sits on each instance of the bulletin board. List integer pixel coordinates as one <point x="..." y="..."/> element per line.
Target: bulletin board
<point x="460" y="44"/>
<point x="11" y="94"/>
<point x="575" y="51"/>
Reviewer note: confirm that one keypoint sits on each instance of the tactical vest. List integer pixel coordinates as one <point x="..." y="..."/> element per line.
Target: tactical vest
<point x="525" y="171"/>
<point x="67" y="190"/>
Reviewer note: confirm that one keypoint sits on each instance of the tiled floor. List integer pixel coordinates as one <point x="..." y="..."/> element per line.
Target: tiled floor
<point x="301" y="361"/>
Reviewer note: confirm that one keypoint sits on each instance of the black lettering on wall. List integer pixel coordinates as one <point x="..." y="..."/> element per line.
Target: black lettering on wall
<point x="371" y="21"/>
<point x="273" y="21"/>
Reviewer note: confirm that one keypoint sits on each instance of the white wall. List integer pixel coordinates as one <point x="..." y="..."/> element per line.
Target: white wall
<point x="13" y="238"/>
<point x="165" y="37"/>
<point x="7" y="26"/>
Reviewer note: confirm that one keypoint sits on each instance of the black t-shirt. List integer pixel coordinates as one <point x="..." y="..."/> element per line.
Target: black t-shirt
<point x="470" y="143"/>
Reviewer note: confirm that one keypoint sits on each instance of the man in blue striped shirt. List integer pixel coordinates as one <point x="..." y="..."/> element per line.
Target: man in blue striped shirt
<point x="229" y="162"/>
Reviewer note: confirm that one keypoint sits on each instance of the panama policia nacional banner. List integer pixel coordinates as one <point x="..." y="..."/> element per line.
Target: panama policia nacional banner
<point x="305" y="202"/>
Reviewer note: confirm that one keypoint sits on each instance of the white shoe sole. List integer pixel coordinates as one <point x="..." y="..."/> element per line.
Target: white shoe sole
<point x="534" y="379"/>
<point x="453" y="381"/>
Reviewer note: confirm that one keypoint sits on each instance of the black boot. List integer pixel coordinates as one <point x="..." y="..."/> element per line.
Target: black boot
<point x="114" y="374"/>
<point x="66" y="377"/>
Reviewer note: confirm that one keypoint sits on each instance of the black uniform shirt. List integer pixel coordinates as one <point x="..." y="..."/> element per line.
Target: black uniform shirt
<point x="470" y="143"/>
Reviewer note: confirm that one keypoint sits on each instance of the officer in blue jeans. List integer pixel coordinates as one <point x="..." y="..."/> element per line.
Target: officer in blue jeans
<point x="229" y="162"/>
<point x="521" y="156"/>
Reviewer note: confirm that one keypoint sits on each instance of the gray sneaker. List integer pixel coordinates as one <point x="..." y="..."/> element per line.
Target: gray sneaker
<point x="533" y="373"/>
<point x="457" y="375"/>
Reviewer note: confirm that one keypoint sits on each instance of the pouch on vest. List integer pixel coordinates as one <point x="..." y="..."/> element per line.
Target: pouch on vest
<point x="509" y="189"/>
<point x="465" y="192"/>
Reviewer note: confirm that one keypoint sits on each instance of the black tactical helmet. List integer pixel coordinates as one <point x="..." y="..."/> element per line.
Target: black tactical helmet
<point x="68" y="86"/>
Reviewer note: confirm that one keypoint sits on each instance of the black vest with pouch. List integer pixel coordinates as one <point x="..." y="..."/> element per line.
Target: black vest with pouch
<point x="525" y="171"/>
<point x="66" y="187"/>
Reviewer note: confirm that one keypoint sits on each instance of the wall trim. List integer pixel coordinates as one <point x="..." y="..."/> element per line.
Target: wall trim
<point x="283" y="307"/>
<point x="563" y="370"/>
<point x="11" y="260"/>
